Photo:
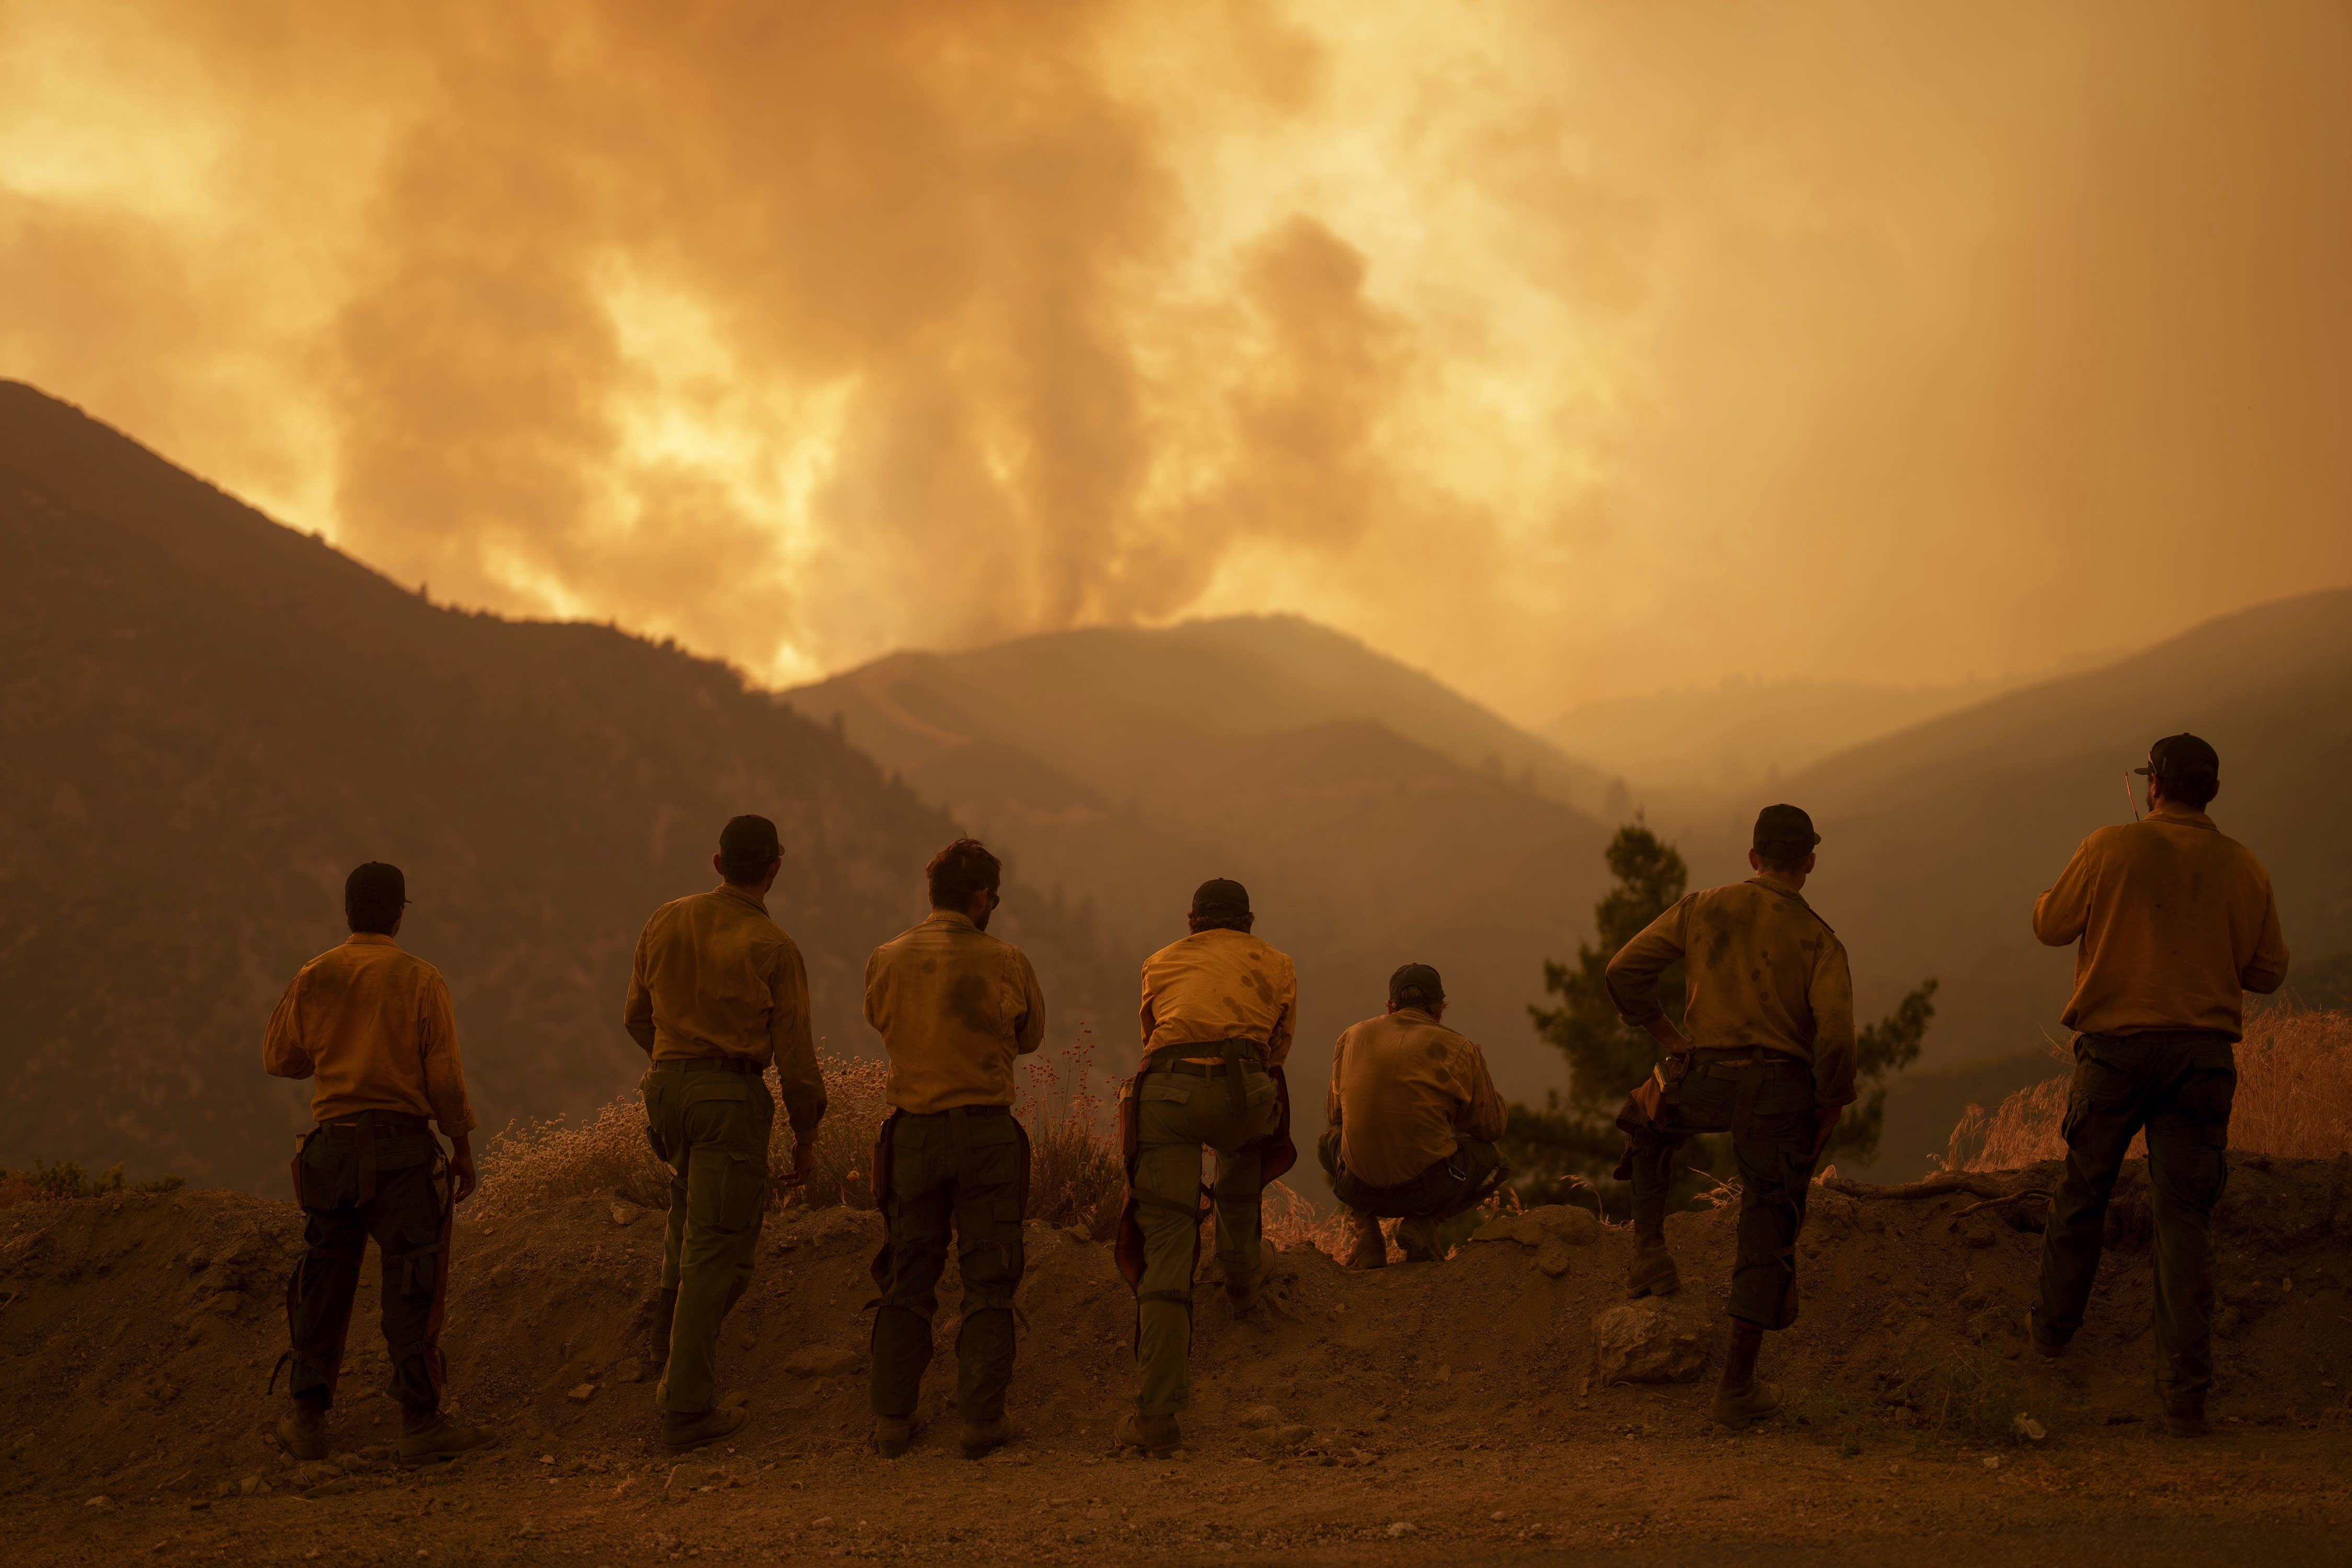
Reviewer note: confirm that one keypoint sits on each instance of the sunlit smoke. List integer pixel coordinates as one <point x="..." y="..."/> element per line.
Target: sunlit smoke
<point x="1564" y="350"/>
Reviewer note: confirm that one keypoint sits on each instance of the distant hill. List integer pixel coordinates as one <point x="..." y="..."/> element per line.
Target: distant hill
<point x="208" y="719"/>
<point x="1377" y="817"/>
<point x="1937" y="839"/>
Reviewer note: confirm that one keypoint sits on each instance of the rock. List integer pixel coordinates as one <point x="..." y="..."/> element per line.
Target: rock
<point x="821" y="1360"/>
<point x="311" y="1472"/>
<point x="2028" y="1427"/>
<point x="253" y="1486"/>
<point x="583" y="1393"/>
<point x="1402" y="1527"/>
<point x="1649" y="1341"/>
<point x="100" y="1503"/>
<point x="1261" y="1415"/>
<point x="1564" y="1223"/>
<point x="1976" y="1233"/>
<point x="626" y="1214"/>
<point x="685" y="1480"/>
<point x="1076" y="1233"/>
<point x="1993" y="1463"/>
<point x="630" y="1370"/>
<point x="1552" y="1257"/>
<point x="1289" y="1436"/>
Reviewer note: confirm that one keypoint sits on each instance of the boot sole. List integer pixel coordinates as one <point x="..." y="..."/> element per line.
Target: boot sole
<point x="443" y="1455"/>
<point x="680" y="1444"/>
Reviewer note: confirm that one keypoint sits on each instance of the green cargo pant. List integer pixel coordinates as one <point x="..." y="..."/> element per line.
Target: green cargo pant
<point x="1179" y="1111"/>
<point x="963" y="1167"/>
<point x="710" y="1126"/>
<point x="2178" y="1085"/>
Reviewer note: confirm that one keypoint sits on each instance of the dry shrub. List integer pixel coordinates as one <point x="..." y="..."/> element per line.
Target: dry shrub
<point x="841" y="1167"/>
<point x="66" y="1180"/>
<point x="2293" y="1099"/>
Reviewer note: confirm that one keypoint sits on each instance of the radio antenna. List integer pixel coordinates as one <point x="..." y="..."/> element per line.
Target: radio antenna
<point x="2128" y="799"/>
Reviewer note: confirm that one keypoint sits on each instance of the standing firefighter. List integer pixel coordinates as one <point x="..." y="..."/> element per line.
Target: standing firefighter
<point x="1770" y="1056"/>
<point x="1219" y="1009"/>
<point x="955" y="1006"/>
<point x="2177" y="923"/>
<point x="372" y="1025"/>
<point x="718" y="993"/>
<point x="1414" y="1117"/>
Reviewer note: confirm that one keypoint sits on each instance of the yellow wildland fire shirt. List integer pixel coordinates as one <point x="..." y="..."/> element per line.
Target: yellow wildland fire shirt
<point x="2177" y="923"/>
<point x="1404" y="1089"/>
<point x="714" y="976"/>
<point x="374" y="1027"/>
<point x="1764" y="970"/>
<point x="1217" y="985"/>
<point x="954" y="1007"/>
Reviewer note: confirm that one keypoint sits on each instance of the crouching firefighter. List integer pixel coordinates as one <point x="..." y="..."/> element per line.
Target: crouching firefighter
<point x="1414" y="1118"/>
<point x="955" y="1008"/>
<point x="373" y="1027"/>
<point x="1769" y="1056"/>
<point x="1218" y="1010"/>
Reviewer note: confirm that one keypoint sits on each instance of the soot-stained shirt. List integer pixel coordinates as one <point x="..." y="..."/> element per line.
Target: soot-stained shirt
<point x="2176" y="922"/>
<point x="1217" y="985"/>
<point x="715" y="976"/>
<point x="954" y="1007"/>
<point x="374" y="1025"/>
<point x="1404" y="1091"/>
<point x="1763" y="969"/>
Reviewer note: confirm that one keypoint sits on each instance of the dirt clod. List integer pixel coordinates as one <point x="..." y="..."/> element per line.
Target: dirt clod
<point x="1650" y="1341"/>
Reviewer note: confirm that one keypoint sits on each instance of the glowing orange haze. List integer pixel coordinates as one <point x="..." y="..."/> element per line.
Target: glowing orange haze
<point x="1564" y="350"/>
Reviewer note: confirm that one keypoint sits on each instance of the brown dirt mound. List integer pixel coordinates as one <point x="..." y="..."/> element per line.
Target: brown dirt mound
<point x="139" y="1334"/>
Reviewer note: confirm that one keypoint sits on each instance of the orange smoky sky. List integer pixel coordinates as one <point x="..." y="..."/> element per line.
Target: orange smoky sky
<point x="1566" y="350"/>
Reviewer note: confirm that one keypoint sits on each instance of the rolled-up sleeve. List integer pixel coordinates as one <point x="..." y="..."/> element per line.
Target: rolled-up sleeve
<point x="1484" y="1117"/>
<point x="1830" y="997"/>
<point x="1633" y="974"/>
<point x="2062" y="914"/>
<point x="282" y="1055"/>
<point x="1029" y="1028"/>
<point x="2266" y="971"/>
<point x="1286" y="1021"/>
<point x="791" y="1040"/>
<point x="444" y="1074"/>
<point x="637" y="1012"/>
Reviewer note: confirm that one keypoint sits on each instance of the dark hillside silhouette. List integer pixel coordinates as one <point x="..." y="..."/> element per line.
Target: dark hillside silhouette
<point x="209" y="717"/>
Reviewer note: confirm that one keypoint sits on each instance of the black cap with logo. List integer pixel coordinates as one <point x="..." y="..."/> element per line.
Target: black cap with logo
<point x="1416" y="985"/>
<point x="2183" y="759"/>
<point x="1784" y="824"/>
<point x="1221" y="896"/>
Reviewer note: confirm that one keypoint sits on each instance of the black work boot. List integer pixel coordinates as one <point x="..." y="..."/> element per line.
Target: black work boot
<point x="429" y="1434"/>
<point x="1740" y="1398"/>
<point x="980" y="1436"/>
<point x="1244" y="1290"/>
<point x="693" y="1429"/>
<point x="1157" y="1436"/>
<point x="304" y="1433"/>
<point x="1653" y="1272"/>
<point x="893" y="1434"/>
<point x="1418" y="1240"/>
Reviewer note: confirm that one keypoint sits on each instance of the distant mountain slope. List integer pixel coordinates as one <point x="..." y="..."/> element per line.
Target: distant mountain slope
<point x="1107" y="707"/>
<point x="207" y="719"/>
<point x="1378" y="818"/>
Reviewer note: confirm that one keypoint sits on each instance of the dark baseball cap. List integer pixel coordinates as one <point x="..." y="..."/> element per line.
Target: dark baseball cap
<point x="375" y="887"/>
<point x="1784" y="824"/>
<point x="2182" y="759"/>
<point x="748" y="841"/>
<point x="1219" y="896"/>
<point x="1417" y="982"/>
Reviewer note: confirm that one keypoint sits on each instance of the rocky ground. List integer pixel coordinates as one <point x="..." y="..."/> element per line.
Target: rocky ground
<point x="1477" y="1409"/>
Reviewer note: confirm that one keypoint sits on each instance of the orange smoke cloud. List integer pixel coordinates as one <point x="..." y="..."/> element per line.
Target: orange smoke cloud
<point x="1564" y="349"/>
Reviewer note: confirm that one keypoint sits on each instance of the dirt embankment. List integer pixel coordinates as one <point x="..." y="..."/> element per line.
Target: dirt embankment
<point x="137" y="1335"/>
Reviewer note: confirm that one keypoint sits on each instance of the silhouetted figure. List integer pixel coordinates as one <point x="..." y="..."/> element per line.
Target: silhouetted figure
<point x="718" y="995"/>
<point x="955" y="1007"/>
<point x="1768" y="1056"/>
<point x="2176" y="922"/>
<point x="1218" y="1010"/>
<point x="1413" y="1119"/>
<point x="373" y="1027"/>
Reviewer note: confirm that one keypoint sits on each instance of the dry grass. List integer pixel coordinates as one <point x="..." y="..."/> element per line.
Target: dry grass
<point x="50" y="1184"/>
<point x="2294" y="1099"/>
